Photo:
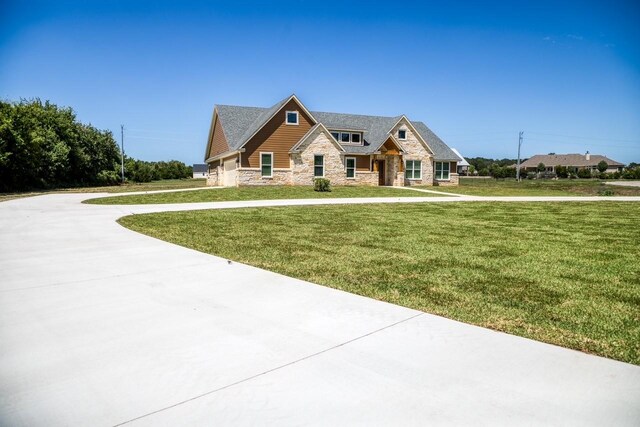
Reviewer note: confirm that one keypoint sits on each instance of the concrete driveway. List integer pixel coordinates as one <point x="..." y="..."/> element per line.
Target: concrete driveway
<point x="103" y="326"/>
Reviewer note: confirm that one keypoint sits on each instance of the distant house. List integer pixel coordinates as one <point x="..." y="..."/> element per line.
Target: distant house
<point x="200" y="171"/>
<point x="286" y="144"/>
<point x="463" y="165"/>
<point x="571" y="161"/>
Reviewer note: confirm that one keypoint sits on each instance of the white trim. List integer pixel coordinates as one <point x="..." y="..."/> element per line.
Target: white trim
<point x="225" y="155"/>
<point x="413" y="129"/>
<point x="405" y="134"/>
<point x="286" y="118"/>
<point x="270" y="153"/>
<point x="413" y="169"/>
<point x="435" y="171"/>
<point x="350" y="133"/>
<point x="355" y="167"/>
<point x="295" y="148"/>
<point x="292" y="97"/>
<point x="314" y="166"/>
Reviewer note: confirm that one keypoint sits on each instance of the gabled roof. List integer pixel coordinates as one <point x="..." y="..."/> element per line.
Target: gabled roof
<point x="567" y="160"/>
<point x="463" y="161"/>
<point x="241" y="123"/>
<point x="375" y="128"/>
<point x="441" y="151"/>
<point x="314" y="128"/>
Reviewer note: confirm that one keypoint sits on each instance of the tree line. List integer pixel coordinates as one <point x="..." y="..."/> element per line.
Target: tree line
<point x="45" y="146"/>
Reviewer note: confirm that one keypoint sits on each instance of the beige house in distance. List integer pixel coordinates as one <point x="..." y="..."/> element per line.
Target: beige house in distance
<point x="287" y="144"/>
<point x="571" y="161"/>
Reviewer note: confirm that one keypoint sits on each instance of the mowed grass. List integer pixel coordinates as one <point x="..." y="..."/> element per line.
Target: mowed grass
<point x="165" y="184"/>
<point x="258" y="193"/>
<point x="562" y="273"/>
<point x="536" y="187"/>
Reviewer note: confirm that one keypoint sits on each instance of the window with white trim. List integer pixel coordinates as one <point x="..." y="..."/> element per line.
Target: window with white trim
<point x="292" y="117"/>
<point x="442" y="170"/>
<point x="266" y="165"/>
<point x="350" y="166"/>
<point x="347" y="137"/>
<point x="413" y="169"/>
<point x="402" y="134"/>
<point x="318" y="166"/>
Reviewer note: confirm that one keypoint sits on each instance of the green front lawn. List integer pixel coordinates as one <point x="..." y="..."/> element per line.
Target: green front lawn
<point x="563" y="273"/>
<point x="536" y="187"/>
<point x="257" y="193"/>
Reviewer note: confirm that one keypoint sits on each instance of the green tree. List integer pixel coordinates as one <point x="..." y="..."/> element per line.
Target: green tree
<point x="602" y="166"/>
<point x="43" y="145"/>
<point x="541" y="167"/>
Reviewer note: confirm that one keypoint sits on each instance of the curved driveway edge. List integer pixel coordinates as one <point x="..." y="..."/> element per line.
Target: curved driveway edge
<point x="103" y="326"/>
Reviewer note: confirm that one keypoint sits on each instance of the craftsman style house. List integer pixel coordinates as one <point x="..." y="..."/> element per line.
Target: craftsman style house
<point x="287" y="144"/>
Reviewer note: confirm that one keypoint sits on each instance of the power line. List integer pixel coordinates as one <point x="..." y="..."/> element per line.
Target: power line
<point x="584" y="137"/>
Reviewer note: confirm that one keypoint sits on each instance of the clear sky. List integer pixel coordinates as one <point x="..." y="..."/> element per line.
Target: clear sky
<point x="565" y="73"/>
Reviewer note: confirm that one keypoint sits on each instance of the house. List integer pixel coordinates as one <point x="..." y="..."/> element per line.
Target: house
<point x="463" y="165"/>
<point x="287" y="144"/>
<point x="200" y="170"/>
<point x="571" y="161"/>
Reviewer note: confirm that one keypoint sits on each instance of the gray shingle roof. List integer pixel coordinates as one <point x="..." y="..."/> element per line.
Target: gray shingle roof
<point x="375" y="128"/>
<point x="578" y="160"/>
<point x="441" y="151"/>
<point x="240" y="123"/>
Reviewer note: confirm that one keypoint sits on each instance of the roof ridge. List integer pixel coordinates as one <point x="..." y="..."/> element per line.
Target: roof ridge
<point x="359" y="115"/>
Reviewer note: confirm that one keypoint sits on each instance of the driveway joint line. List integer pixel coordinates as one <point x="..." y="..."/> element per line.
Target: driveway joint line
<point x="268" y="371"/>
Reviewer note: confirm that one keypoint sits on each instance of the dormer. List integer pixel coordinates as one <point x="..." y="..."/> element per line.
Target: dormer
<point x="348" y="137"/>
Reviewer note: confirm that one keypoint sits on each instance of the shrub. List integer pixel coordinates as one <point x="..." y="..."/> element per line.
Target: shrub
<point x="562" y="171"/>
<point x="584" y="173"/>
<point x="531" y="175"/>
<point x="107" y="177"/>
<point x="322" y="185"/>
<point x="606" y="192"/>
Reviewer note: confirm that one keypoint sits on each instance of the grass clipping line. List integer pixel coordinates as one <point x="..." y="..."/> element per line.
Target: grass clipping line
<point x="562" y="273"/>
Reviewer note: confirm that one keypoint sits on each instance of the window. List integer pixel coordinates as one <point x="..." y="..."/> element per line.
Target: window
<point x="402" y="134"/>
<point x="292" y="117"/>
<point x="266" y="164"/>
<point x="318" y="166"/>
<point x="347" y="137"/>
<point x="442" y="170"/>
<point x="413" y="169"/>
<point x="350" y="165"/>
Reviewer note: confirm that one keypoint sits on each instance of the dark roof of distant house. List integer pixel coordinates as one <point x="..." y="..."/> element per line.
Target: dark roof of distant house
<point x="240" y="123"/>
<point x="577" y="160"/>
<point x="198" y="168"/>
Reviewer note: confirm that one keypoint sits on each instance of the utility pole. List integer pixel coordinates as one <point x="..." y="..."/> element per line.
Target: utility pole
<point x="122" y="151"/>
<point x="519" y="144"/>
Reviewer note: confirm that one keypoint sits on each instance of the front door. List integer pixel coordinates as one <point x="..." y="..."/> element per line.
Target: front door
<point x="381" y="172"/>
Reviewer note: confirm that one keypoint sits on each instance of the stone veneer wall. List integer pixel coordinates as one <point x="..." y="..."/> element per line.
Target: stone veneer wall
<point x="253" y="176"/>
<point x="454" y="179"/>
<point x="212" y="179"/>
<point x="415" y="150"/>
<point x="334" y="168"/>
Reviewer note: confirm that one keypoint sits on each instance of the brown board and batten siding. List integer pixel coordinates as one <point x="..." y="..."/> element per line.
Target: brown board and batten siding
<point x="362" y="163"/>
<point x="277" y="137"/>
<point x="218" y="141"/>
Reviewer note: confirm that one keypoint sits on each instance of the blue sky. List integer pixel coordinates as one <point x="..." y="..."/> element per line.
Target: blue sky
<point x="565" y="73"/>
